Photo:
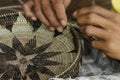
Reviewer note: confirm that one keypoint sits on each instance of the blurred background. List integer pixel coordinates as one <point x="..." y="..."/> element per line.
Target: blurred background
<point x="74" y="3"/>
<point x="8" y="2"/>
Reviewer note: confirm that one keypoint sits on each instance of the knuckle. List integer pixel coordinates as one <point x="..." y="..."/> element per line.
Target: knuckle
<point x="56" y="2"/>
<point x="24" y="5"/>
<point x="90" y="18"/>
<point x="46" y="8"/>
<point x="87" y="31"/>
<point x="93" y="8"/>
<point x="37" y="13"/>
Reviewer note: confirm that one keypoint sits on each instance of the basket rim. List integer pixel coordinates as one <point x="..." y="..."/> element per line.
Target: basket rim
<point x="78" y="52"/>
<point x="11" y="7"/>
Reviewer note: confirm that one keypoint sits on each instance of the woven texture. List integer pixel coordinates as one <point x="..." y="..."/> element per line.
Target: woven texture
<point x="29" y="51"/>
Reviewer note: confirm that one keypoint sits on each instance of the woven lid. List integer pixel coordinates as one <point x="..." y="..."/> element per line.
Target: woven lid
<point x="29" y="51"/>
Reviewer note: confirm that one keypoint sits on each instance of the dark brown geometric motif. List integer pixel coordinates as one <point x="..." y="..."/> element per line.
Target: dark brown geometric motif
<point x="20" y="61"/>
<point x="8" y="20"/>
<point x="35" y="24"/>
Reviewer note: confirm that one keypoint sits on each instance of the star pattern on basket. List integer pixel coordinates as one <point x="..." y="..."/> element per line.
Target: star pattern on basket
<point x="25" y="61"/>
<point x="8" y="19"/>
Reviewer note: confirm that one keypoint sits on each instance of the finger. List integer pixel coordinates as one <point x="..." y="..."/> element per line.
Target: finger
<point x="59" y="8"/>
<point x="96" y="10"/>
<point x="49" y="13"/>
<point x="41" y="15"/>
<point x="27" y="7"/>
<point x="100" y="45"/>
<point x="66" y="3"/>
<point x="94" y="19"/>
<point x="114" y="56"/>
<point x="94" y="31"/>
<point x="82" y="29"/>
<point x="60" y="29"/>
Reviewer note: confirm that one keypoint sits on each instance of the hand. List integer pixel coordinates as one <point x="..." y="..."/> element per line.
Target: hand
<point x="51" y="13"/>
<point x="103" y="24"/>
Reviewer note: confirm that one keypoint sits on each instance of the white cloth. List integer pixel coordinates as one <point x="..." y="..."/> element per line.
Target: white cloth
<point x="100" y="77"/>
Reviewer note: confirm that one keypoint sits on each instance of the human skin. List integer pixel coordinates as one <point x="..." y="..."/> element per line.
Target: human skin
<point x="96" y="21"/>
<point x="104" y="25"/>
<point x="52" y="13"/>
<point x="48" y="12"/>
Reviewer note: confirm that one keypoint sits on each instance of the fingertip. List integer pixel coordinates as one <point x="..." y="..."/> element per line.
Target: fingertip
<point x="30" y="15"/>
<point x="63" y="23"/>
<point x="27" y="8"/>
<point x="60" y="29"/>
<point x="52" y="29"/>
<point x="75" y="14"/>
<point x="33" y="18"/>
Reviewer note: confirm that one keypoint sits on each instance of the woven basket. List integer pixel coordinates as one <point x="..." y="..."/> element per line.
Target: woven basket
<point x="29" y="51"/>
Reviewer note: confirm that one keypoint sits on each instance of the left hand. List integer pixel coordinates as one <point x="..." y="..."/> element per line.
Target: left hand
<point x="52" y="13"/>
<point x="103" y="24"/>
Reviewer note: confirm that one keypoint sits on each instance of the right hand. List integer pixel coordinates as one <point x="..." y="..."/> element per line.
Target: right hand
<point x="104" y="25"/>
<point x="52" y="13"/>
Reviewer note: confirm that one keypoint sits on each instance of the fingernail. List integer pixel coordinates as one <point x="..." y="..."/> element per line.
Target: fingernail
<point x="34" y="18"/>
<point x="60" y="29"/>
<point x="75" y="14"/>
<point x="63" y="23"/>
<point x="52" y="28"/>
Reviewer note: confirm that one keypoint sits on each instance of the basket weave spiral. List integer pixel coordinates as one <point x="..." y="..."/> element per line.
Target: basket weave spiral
<point x="29" y="51"/>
